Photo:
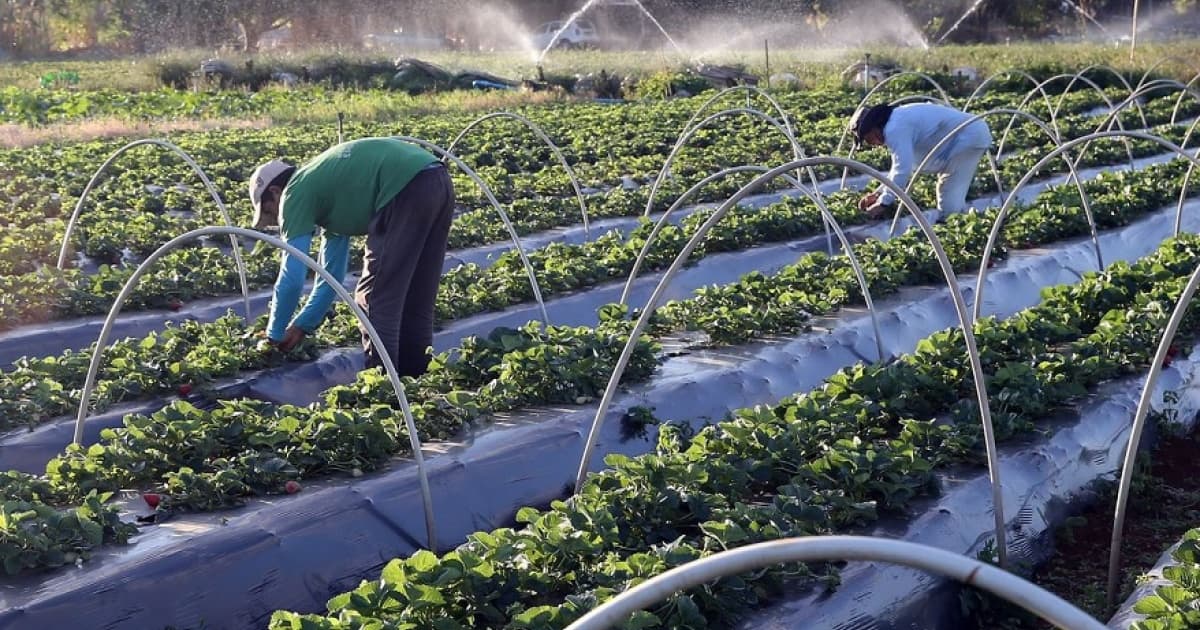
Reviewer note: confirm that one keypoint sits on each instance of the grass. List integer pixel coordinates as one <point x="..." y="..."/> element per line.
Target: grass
<point x="813" y="66"/>
<point x="20" y="136"/>
<point x="375" y="107"/>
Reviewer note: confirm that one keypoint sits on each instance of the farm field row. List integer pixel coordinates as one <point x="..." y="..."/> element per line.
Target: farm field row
<point x="868" y="442"/>
<point x="510" y="369"/>
<point x="188" y="274"/>
<point x="861" y="437"/>
<point x="196" y="354"/>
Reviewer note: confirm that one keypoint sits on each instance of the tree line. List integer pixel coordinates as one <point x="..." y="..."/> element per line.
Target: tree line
<point x="31" y="28"/>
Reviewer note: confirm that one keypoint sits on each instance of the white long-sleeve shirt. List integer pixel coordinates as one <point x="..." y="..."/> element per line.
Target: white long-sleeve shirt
<point x="914" y="130"/>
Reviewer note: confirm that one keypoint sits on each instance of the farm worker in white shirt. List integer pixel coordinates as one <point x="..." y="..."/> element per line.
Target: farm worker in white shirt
<point x="910" y="132"/>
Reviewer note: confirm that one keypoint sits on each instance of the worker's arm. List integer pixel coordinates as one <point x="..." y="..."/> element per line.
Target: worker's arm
<point x="288" y="287"/>
<point x="335" y="253"/>
<point x="900" y="141"/>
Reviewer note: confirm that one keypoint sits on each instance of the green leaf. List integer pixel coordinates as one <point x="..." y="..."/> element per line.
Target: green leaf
<point x="423" y="561"/>
<point x="1151" y="606"/>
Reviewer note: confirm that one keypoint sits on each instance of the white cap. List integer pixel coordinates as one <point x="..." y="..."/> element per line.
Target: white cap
<point x="259" y="180"/>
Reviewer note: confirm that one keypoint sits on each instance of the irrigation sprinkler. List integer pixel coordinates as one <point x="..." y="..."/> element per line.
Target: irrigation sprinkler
<point x="212" y="191"/>
<point x="1135" y="433"/>
<point x="947" y="272"/>
<point x="491" y="197"/>
<point x="797" y="151"/>
<point x="993" y="236"/>
<point x="541" y="135"/>
<point x="838" y="548"/>
<point x="98" y="355"/>
<point x="827" y="218"/>
<point x="1084" y="200"/>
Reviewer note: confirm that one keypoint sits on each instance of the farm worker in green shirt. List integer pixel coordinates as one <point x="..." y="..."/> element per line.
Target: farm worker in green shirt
<point x="397" y="195"/>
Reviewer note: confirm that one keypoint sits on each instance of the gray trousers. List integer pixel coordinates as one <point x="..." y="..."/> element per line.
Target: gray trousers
<point x="402" y="267"/>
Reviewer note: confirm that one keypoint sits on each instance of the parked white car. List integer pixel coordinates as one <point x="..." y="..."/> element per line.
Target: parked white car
<point x="579" y="34"/>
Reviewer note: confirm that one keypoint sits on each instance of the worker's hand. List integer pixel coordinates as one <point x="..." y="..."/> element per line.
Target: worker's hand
<point x="291" y="338"/>
<point x="868" y="200"/>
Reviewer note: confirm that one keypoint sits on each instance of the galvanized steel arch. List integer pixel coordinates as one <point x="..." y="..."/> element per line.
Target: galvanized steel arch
<point x="1179" y="99"/>
<point x="996" y="75"/>
<point x="1186" y="178"/>
<point x="827" y="218"/>
<point x="1099" y="66"/>
<point x="740" y="560"/>
<point x="212" y="191"/>
<point x="1008" y="203"/>
<point x="797" y="150"/>
<point x="541" y="135"/>
<point x="388" y="366"/>
<point x="751" y="90"/>
<point x="947" y="271"/>
<point x="1054" y="113"/>
<point x="1139" y="425"/>
<point x="1159" y="63"/>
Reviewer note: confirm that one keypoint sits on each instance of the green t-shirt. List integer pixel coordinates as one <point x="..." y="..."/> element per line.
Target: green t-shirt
<point x="341" y="189"/>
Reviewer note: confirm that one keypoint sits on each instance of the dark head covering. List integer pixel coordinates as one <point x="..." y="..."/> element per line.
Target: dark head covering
<point x="865" y="120"/>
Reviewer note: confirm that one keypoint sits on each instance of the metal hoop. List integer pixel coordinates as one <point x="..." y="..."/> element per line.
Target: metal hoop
<point x="1054" y="112"/>
<point x="1008" y="203"/>
<point x="1135" y="433"/>
<point x="1179" y="100"/>
<point x="414" y="440"/>
<point x="947" y="272"/>
<point x="212" y="190"/>
<point x="689" y="132"/>
<point x="541" y="134"/>
<point x="1017" y="71"/>
<point x="828" y="548"/>
<point x="1186" y="178"/>
<point x="751" y="90"/>
<point x="827" y="218"/>
<point x="1097" y="66"/>
<point x="487" y="191"/>
<point x="1157" y="64"/>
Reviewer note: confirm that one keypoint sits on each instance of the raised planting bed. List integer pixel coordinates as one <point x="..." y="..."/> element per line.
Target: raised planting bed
<point x="526" y="459"/>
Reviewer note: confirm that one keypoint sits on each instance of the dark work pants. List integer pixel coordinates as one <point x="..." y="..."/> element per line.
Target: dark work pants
<point x="406" y="245"/>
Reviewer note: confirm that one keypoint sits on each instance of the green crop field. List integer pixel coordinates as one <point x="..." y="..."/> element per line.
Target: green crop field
<point x="788" y="384"/>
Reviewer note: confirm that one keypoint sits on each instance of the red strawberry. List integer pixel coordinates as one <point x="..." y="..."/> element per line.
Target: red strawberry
<point x="291" y="487"/>
<point x="152" y="499"/>
<point x="185" y="390"/>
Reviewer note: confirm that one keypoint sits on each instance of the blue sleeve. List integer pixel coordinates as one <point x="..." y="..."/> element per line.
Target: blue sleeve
<point x="288" y="287"/>
<point x="335" y="251"/>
